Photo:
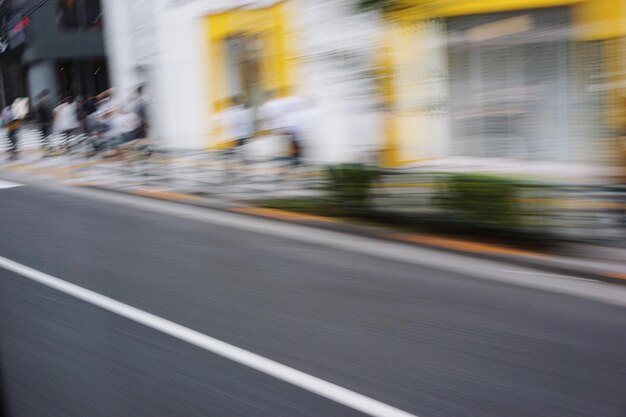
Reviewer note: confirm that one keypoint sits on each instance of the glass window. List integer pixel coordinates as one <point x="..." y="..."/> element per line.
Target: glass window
<point x="79" y="14"/>
<point x="510" y="92"/>
<point x="84" y="78"/>
<point x="243" y="60"/>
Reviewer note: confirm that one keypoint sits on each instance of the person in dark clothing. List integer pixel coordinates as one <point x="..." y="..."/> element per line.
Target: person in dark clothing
<point x="45" y="117"/>
<point x="141" y="109"/>
<point x="13" y="128"/>
<point x="90" y="106"/>
<point x="87" y="110"/>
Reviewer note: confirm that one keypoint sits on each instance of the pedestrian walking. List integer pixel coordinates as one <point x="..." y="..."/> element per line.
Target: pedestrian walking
<point x="86" y="114"/>
<point x="124" y="129"/>
<point x="139" y="105"/>
<point x="285" y="116"/>
<point x="240" y="124"/>
<point x="45" y="117"/>
<point x="66" y="121"/>
<point x="89" y="106"/>
<point x="12" y="125"/>
<point x="12" y="118"/>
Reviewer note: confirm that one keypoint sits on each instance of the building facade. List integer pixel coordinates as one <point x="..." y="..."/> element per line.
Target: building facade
<point x="525" y="80"/>
<point x="55" y="45"/>
<point x="207" y="51"/>
<point x="539" y="80"/>
<point x="131" y="42"/>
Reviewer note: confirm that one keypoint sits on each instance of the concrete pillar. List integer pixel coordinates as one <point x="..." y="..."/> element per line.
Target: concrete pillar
<point x="182" y="104"/>
<point x="42" y="75"/>
<point x="119" y="37"/>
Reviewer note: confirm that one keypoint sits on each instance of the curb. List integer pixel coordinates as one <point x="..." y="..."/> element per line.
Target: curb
<point x="186" y="199"/>
<point x="540" y="261"/>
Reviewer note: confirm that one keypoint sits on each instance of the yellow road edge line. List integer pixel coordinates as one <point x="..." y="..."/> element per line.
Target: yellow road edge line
<point x="462" y="245"/>
<point x="21" y="167"/>
<point x="283" y="214"/>
<point x="79" y="166"/>
<point x="32" y="169"/>
<point x="84" y="184"/>
<point x="165" y="195"/>
<point x="28" y="167"/>
<point x="615" y="275"/>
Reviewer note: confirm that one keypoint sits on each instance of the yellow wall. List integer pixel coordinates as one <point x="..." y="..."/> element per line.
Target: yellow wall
<point x="601" y="19"/>
<point x="592" y="20"/>
<point x="467" y="7"/>
<point x="604" y="18"/>
<point x="271" y="26"/>
<point x="390" y="155"/>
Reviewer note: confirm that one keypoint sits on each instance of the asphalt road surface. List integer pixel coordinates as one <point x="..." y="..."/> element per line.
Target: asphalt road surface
<point x="425" y="340"/>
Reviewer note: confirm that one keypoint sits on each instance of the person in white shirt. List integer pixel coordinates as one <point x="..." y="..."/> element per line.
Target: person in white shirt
<point x="124" y="126"/>
<point x="138" y="102"/>
<point x="66" y="120"/>
<point x="269" y="113"/>
<point x="287" y="116"/>
<point x="239" y="121"/>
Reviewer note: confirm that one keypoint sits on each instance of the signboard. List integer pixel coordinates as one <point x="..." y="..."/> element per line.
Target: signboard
<point x="17" y="31"/>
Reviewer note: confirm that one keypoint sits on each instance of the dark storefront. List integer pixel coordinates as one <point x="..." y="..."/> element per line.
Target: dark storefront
<point x="82" y="77"/>
<point x="58" y="46"/>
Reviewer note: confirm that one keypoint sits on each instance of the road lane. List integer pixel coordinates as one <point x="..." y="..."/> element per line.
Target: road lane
<point x="427" y="341"/>
<point x="67" y="358"/>
<point x="243" y="357"/>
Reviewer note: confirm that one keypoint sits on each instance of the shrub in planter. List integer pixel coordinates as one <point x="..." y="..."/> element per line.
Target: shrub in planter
<point x="482" y="199"/>
<point x="349" y="186"/>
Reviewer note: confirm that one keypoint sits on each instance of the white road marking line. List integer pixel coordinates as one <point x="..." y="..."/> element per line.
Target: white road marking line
<point x="285" y="373"/>
<point x="9" y="184"/>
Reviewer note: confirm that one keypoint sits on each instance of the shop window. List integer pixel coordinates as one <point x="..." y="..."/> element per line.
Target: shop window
<point x="249" y="52"/>
<point x="82" y="78"/>
<point x="510" y="85"/>
<point x="79" y="15"/>
<point x="243" y="56"/>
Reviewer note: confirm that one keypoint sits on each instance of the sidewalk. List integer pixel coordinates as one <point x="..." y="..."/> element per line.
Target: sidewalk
<point x="201" y="174"/>
<point x="202" y="179"/>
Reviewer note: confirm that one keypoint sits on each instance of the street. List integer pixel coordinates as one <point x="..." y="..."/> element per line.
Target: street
<point x="425" y="340"/>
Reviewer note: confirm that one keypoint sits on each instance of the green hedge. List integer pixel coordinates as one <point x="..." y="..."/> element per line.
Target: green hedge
<point x="483" y="199"/>
<point x="349" y="186"/>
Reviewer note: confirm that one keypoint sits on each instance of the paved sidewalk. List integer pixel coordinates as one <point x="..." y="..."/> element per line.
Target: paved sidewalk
<point x="195" y="173"/>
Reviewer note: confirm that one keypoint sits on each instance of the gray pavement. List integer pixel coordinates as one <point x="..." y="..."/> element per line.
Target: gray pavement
<point x="426" y="340"/>
<point x="203" y="173"/>
<point x="224" y="182"/>
<point x="569" y="212"/>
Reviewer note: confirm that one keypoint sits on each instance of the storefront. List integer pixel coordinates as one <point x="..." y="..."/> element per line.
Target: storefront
<point x="511" y="88"/>
<point x="526" y="80"/>
<point x="249" y="54"/>
<point x="533" y="80"/>
<point x="249" y="58"/>
<point x="205" y="52"/>
<point x="202" y="54"/>
<point x="55" y="46"/>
